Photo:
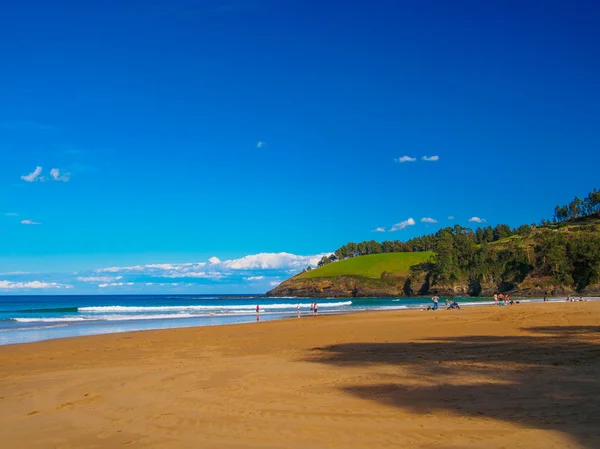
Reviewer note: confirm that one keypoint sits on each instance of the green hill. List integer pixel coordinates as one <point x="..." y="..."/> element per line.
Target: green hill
<point x="370" y="266"/>
<point x="557" y="257"/>
<point x="551" y="259"/>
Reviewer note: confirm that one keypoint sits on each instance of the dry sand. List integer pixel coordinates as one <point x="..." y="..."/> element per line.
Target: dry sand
<point x="525" y="376"/>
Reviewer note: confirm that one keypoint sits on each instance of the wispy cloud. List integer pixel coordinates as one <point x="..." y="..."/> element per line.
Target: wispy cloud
<point x="115" y="284"/>
<point x="274" y="283"/>
<point x="380" y="229"/>
<point x="428" y="220"/>
<point x="29" y="222"/>
<point x="196" y="275"/>
<point x="451" y="217"/>
<point x="250" y="272"/>
<point x="26" y="125"/>
<point x="272" y="261"/>
<point x="477" y="220"/>
<point x="255" y="267"/>
<point x="31" y="284"/>
<point x="11" y="214"/>
<point x="431" y="158"/>
<point x="57" y="176"/>
<point x="260" y="144"/>
<point x="104" y="279"/>
<point x="402" y="225"/>
<point x="405" y="159"/>
<point x="34" y="175"/>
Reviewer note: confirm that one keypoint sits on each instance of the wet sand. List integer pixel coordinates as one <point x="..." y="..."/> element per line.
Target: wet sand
<point x="484" y="377"/>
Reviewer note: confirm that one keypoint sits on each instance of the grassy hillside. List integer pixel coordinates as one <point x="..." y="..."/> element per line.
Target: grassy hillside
<point x="550" y="259"/>
<point x="370" y="266"/>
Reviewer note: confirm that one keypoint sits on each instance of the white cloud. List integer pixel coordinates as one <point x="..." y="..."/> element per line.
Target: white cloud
<point x="428" y="220"/>
<point x="402" y="225"/>
<point x="272" y="261"/>
<point x="260" y="144"/>
<point x="29" y="222"/>
<point x="34" y="175"/>
<point x="115" y="284"/>
<point x="254" y="278"/>
<point x="11" y="214"/>
<point x="380" y="229"/>
<point x="405" y="159"/>
<point x="55" y="173"/>
<point x="477" y="220"/>
<point x="216" y="269"/>
<point x="451" y="217"/>
<point x="431" y="158"/>
<point x="31" y="284"/>
<point x="274" y="283"/>
<point x="105" y="279"/>
<point x="193" y="274"/>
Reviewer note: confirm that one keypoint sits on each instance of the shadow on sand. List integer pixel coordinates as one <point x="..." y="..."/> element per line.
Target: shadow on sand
<point x="550" y="380"/>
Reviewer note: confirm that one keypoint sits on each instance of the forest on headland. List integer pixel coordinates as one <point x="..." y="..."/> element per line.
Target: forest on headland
<point x="558" y="255"/>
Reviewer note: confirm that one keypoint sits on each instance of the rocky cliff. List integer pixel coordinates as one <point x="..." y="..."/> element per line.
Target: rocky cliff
<point x="418" y="285"/>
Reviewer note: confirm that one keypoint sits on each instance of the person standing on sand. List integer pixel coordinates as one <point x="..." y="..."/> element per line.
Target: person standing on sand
<point x="496" y="299"/>
<point x="435" y="300"/>
<point x="316" y="308"/>
<point x="312" y="308"/>
<point x="298" y="310"/>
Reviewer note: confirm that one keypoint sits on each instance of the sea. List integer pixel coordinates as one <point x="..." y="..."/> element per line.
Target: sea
<point x="26" y="319"/>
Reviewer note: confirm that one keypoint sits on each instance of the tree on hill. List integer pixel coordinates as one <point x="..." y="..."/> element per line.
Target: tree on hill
<point x="461" y="254"/>
<point x="578" y="208"/>
<point x="502" y="231"/>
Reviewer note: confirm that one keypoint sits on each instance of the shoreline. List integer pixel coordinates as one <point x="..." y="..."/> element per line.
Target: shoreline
<point x="48" y="331"/>
<point x="484" y="377"/>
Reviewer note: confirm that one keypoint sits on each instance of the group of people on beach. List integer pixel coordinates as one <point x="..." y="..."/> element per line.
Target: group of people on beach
<point x="450" y="304"/>
<point x="314" y="309"/>
<point x="504" y="300"/>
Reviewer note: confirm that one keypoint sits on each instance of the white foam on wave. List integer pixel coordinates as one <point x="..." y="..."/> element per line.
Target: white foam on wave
<point x="50" y="320"/>
<point x="106" y="318"/>
<point x="51" y="326"/>
<point x="129" y="309"/>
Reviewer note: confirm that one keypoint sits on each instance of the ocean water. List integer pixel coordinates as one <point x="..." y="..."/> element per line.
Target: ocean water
<point x="35" y="318"/>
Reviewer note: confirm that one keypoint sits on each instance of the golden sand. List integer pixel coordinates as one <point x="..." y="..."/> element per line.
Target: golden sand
<point x="526" y="376"/>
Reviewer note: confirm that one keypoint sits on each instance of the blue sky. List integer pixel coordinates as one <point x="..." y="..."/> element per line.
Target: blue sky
<point x="185" y="130"/>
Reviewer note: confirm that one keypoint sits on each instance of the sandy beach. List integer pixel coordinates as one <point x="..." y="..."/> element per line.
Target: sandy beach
<point x="485" y="377"/>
